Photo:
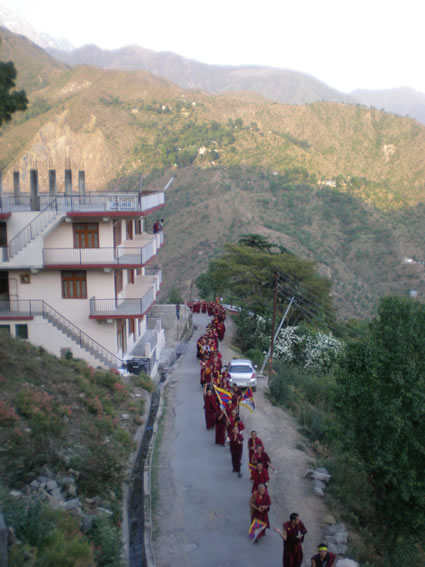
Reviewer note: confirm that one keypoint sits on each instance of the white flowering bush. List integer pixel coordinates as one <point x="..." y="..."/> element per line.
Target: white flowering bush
<point x="314" y="351"/>
<point x="288" y="345"/>
<point x="320" y="351"/>
<point x="261" y="329"/>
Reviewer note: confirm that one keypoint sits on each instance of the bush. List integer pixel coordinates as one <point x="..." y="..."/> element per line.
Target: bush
<point x="144" y="381"/>
<point x="107" y="540"/>
<point x="47" y="538"/>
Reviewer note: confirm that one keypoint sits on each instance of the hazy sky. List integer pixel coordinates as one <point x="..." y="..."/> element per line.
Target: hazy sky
<point x="345" y="43"/>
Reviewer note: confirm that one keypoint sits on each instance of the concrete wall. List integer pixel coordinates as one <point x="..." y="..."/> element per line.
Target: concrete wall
<point x="63" y="235"/>
<point x="42" y="333"/>
<point x="17" y="221"/>
<point x="47" y="286"/>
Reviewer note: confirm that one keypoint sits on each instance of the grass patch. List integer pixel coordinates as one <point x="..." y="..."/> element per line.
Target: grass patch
<point x="64" y="414"/>
<point x="155" y="473"/>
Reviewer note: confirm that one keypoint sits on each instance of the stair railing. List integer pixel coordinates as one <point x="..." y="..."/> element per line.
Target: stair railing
<point x="33" y="228"/>
<point x="32" y="307"/>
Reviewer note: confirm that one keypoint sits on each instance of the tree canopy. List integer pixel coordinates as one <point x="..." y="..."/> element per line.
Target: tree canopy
<point x="10" y="100"/>
<point x="381" y="388"/>
<point x="249" y="273"/>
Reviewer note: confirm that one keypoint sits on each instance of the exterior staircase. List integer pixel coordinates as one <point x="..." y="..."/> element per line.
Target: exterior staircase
<point x="45" y="219"/>
<point x="38" y="307"/>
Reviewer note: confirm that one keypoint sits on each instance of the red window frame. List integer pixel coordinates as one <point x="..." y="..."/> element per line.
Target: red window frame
<point x="74" y="284"/>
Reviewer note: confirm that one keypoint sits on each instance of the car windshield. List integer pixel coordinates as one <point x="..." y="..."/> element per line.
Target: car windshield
<point x="240" y="369"/>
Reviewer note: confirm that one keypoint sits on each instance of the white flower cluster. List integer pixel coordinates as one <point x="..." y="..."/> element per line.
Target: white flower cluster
<point x="314" y="351"/>
<point x="260" y="330"/>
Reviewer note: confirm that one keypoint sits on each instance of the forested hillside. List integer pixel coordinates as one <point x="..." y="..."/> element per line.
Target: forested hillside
<point x="339" y="184"/>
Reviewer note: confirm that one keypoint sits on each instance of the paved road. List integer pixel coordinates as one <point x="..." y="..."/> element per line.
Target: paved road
<point x="204" y="507"/>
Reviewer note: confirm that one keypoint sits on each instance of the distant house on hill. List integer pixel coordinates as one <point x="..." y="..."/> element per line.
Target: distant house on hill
<point x="74" y="275"/>
<point x="328" y="182"/>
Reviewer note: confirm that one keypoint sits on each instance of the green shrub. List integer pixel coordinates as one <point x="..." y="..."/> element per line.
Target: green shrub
<point x="107" y="540"/>
<point x="144" y="381"/>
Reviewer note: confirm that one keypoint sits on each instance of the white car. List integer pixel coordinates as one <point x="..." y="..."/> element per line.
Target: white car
<point x="242" y="373"/>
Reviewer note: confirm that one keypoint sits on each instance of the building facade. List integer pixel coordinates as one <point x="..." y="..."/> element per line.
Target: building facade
<point x="76" y="272"/>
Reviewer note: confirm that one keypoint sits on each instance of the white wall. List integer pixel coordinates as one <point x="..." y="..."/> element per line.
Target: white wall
<point x="42" y="333"/>
<point x="46" y="285"/>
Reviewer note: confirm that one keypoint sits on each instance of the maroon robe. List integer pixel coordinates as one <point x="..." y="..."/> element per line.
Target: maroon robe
<point x="236" y="447"/>
<point x="257" y="500"/>
<point x="258" y="478"/>
<point x="252" y="445"/>
<point x="210" y="407"/>
<point x="292" y="547"/>
<point x="328" y="561"/>
<point x="220" y="428"/>
<point x="265" y="459"/>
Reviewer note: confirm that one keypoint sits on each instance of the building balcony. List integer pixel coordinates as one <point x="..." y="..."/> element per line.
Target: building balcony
<point x="19" y="309"/>
<point x="89" y="204"/>
<point x="124" y="256"/>
<point x="156" y="275"/>
<point x="125" y="308"/>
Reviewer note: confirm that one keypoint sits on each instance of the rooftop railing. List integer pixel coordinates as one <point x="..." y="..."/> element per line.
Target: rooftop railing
<point x="93" y="201"/>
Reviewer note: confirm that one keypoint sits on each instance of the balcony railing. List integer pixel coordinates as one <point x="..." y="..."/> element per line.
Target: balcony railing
<point x="119" y="308"/>
<point x="23" y="308"/>
<point x="156" y="273"/>
<point x="90" y="202"/>
<point x="105" y="256"/>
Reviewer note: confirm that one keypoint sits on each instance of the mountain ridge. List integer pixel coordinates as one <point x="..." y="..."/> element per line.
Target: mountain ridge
<point x="339" y="184"/>
<point x="281" y="85"/>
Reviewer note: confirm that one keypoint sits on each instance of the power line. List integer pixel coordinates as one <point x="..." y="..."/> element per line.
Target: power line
<point x="314" y="315"/>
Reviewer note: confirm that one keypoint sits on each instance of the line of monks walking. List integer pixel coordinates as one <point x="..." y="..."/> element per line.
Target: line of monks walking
<point x="229" y="429"/>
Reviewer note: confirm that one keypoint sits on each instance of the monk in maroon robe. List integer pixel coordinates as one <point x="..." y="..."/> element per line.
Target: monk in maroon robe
<point x="210" y="407"/>
<point x="220" y="427"/>
<point x="292" y="533"/>
<point x="261" y="456"/>
<point x="323" y="558"/>
<point x="253" y="443"/>
<point x="236" y="447"/>
<point x="260" y="505"/>
<point x="236" y="395"/>
<point x="259" y="476"/>
<point x="229" y="409"/>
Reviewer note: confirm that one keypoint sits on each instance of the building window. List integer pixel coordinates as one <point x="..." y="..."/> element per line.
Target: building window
<point x="131" y="327"/>
<point x="139" y="226"/>
<point x="74" y="285"/>
<point x="21" y="331"/>
<point x="5" y="329"/>
<point x="118" y="282"/>
<point x="117" y="233"/>
<point x="129" y="230"/>
<point x="86" y="235"/>
<point x="25" y="278"/>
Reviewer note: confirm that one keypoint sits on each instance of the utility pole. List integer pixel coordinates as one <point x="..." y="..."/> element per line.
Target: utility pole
<point x="269" y="354"/>
<point x="273" y="324"/>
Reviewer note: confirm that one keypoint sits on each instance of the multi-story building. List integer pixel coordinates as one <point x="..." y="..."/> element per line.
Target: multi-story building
<point x="74" y="273"/>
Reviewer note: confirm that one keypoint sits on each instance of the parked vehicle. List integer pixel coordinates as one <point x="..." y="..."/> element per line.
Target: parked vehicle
<point x="242" y="373"/>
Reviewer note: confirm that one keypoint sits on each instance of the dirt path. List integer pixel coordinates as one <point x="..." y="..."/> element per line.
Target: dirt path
<point x="193" y="523"/>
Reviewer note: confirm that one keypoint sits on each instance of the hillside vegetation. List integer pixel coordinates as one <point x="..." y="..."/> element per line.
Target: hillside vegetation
<point x="336" y="183"/>
<point x="66" y="434"/>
